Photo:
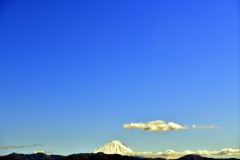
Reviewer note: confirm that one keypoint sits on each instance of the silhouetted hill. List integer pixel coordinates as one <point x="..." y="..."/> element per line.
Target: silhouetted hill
<point x="37" y="156"/>
<point x="198" y="157"/>
<point x="193" y="157"/>
<point x="102" y="156"/>
<point x="92" y="156"/>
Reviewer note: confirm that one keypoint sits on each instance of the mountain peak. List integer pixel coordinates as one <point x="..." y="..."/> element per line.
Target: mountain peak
<point x="117" y="142"/>
<point x="115" y="147"/>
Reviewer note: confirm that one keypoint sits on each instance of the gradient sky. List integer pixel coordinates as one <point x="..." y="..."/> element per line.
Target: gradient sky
<point x="73" y="72"/>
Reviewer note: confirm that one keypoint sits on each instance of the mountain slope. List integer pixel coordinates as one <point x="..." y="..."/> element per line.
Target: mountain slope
<point x="115" y="147"/>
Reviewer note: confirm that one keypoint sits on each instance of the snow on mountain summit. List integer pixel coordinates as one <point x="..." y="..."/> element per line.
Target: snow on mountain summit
<point x="115" y="147"/>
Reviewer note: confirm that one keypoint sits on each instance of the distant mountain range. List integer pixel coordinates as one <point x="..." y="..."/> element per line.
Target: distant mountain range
<point x="117" y="147"/>
<point x="113" y="150"/>
<point x="94" y="156"/>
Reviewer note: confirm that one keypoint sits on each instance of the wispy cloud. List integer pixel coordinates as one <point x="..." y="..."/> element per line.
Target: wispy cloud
<point x="37" y="145"/>
<point x="160" y="125"/>
<point x="11" y="147"/>
<point x="19" y="147"/>
<point x="204" y="127"/>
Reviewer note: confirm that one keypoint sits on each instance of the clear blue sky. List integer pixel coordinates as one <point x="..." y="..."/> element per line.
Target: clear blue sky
<point x="73" y="72"/>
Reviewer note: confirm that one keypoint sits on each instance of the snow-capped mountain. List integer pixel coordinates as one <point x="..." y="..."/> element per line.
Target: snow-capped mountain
<point x="115" y="147"/>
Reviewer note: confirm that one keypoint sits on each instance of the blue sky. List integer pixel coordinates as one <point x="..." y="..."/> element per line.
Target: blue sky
<point x="73" y="72"/>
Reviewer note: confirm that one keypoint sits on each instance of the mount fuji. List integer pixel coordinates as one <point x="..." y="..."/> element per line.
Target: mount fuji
<point x="115" y="147"/>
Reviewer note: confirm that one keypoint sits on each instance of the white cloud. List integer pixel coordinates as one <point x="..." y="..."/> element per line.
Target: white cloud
<point x="157" y="125"/>
<point x="160" y="125"/>
<point x="229" y="151"/>
<point x="171" y="154"/>
<point x="41" y="151"/>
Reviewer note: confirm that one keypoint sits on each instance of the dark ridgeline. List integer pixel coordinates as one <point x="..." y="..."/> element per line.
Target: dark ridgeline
<point x="38" y="156"/>
<point x="92" y="156"/>
<point x="198" y="157"/>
